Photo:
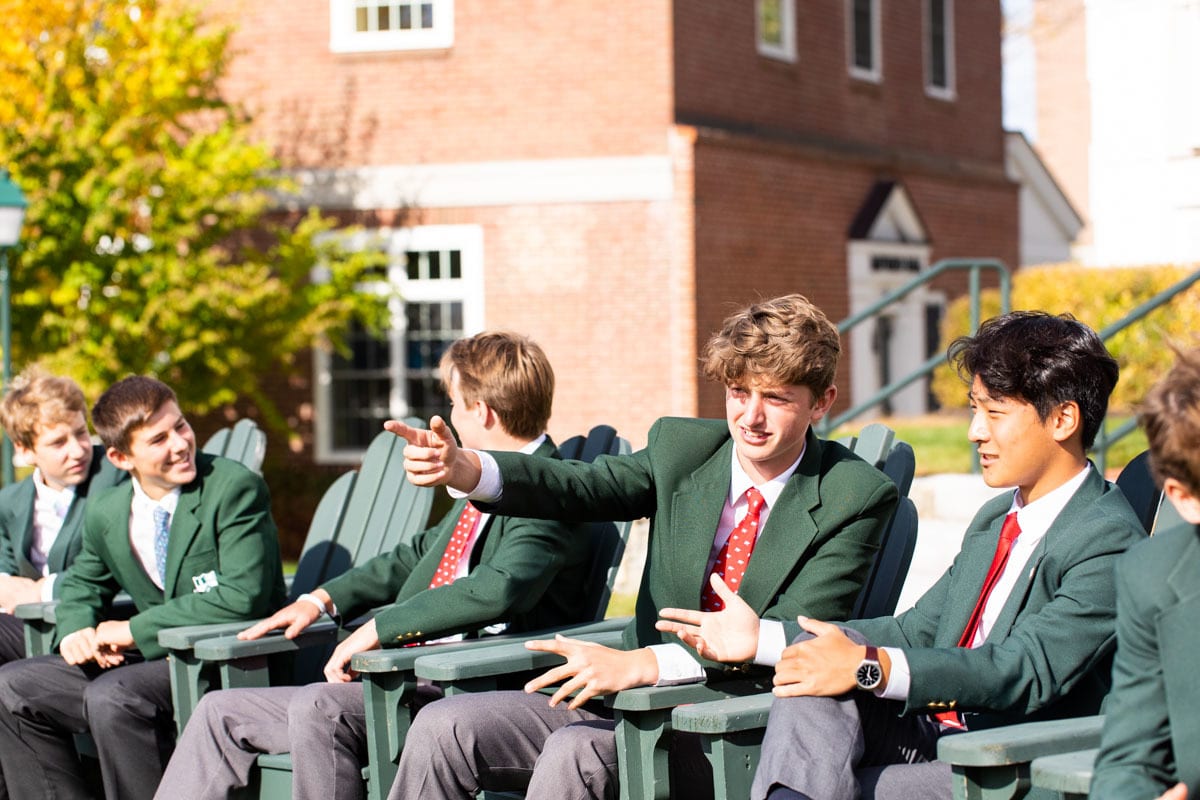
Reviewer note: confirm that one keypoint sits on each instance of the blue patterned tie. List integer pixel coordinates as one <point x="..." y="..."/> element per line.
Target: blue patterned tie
<point x="162" y="533"/>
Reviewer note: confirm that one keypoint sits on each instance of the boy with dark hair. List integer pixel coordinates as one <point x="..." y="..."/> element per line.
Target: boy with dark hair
<point x="41" y="517"/>
<point x="191" y="539"/>
<point x="469" y="571"/>
<point x="1021" y="625"/>
<point x="791" y="520"/>
<point x="1151" y="740"/>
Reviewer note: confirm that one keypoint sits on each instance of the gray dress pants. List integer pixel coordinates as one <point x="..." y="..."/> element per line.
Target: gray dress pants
<point x="322" y="725"/>
<point x="44" y="701"/>
<point x="12" y="638"/>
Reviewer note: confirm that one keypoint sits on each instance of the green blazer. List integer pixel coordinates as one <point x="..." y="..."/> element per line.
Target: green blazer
<point x="16" y="520"/>
<point x="222" y="525"/>
<point x="1152" y="720"/>
<point x="529" y="573"/>
<point x="1049" y="651"/>
<point x="811" y="557"/>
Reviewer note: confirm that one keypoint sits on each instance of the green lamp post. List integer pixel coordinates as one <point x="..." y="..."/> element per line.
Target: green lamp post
<point x="12" y="214"/>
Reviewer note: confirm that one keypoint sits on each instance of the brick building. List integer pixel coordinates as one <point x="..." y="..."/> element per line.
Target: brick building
<point x="613" y="179"/>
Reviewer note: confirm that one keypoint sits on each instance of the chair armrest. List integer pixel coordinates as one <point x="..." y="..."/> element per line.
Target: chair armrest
<point x="231" y="648"/>
<point x="1068" y="773"/>
<point x="720" y="717"/>
<point x="501" y="659"/>
<point x="1016" y="744"/>
<point x="185" y="637"/>
<point x="33" y="611"/>
<point x="653" y="698"/>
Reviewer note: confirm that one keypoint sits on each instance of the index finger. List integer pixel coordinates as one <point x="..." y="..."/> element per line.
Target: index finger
<point x="408" y="433"/>
<point x="684" y="615"/>
<point x="259" y="628"/>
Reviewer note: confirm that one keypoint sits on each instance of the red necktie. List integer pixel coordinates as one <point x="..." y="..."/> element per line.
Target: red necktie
<point x="735" y="554"/>
<point x="448" y="566"/>
<point x="1008" y="534"/>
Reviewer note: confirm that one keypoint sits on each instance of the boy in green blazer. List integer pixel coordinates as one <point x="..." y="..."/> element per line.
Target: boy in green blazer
<point x="191" y="539"/>
<point x="792" y="520"/>
<point x="41" y="517"/>
<point x="1151" y="740"/>
<point x="1021" y="625"/>
<point x="467" y="572"/>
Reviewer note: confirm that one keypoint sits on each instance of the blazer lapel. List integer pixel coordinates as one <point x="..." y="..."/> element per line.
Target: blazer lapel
<point x="26" y="499"/>
<point x="57" y="557"/>
<point x="185" y="524"/>
<point x="979" y="548"/>
<point x="789" y="531"/>
<point x="696" y="508"/>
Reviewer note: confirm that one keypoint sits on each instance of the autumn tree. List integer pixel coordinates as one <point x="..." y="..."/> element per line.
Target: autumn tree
<point x="149" y="244"/>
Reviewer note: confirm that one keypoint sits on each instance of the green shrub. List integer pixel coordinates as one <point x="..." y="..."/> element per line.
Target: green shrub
<point x="1097" y="297"/>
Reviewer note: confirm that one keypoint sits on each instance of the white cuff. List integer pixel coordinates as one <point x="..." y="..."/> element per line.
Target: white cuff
<point x="771" y="642"/>
<point x="490" y="485"/>
<point x="316" y="601"/>
<point x="899" y="678"/>
<point x="48" y="587"/>
<point x="676" y="665"/>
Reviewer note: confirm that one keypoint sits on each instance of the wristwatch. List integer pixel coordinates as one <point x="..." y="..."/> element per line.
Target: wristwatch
<point x="869" y="674"/>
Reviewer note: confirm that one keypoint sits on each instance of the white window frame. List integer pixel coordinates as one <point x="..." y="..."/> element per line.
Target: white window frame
<point x="874" y="73"/>
<point x="947" y="92"/>
<point x="345" y="38"/>
<point x="398" y="289"/>
<point x="785" y="50"/>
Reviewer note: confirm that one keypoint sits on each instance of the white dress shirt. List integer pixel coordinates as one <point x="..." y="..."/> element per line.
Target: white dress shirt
<point x="141" y="527"/>
<point x="50" y="507"/>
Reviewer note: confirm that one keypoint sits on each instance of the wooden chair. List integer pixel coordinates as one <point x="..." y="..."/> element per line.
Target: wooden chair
<point x="243" y="442"/>
<point x="388" y="680"/>
<point x="363" y="513"/>
<point x="645" y="715"/>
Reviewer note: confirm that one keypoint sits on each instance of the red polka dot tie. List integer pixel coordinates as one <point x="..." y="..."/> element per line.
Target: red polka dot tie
<point x="735" y="554"/>
<point x="448" y="566"/>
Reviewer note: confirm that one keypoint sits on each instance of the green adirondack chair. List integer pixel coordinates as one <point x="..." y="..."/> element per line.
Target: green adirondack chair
<point x="389" y="683"/>
<point x="243" y="442"/>
<point x="644" y="715"/>
<point x="365" y="512"/>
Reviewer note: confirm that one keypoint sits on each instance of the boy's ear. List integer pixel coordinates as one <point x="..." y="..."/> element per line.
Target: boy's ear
<point x="1186" y="503"/>
<point x="22" y="452"/>
<point x="119" y="460"/>
<point x="1065" y="421"/>
<point x="823" y="402"/>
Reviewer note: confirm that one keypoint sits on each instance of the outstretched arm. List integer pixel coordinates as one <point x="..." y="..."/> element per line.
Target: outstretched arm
<point x="433" y="458"/>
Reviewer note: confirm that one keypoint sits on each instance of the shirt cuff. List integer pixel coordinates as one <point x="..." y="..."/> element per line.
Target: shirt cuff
<point x="48" y="587"/>
<point x="899" y="678"/>
<point x="676" y="665"/>
<point x="316" y="601"/>
<point x="771" y="642"/>
<point x="490" y="485"/>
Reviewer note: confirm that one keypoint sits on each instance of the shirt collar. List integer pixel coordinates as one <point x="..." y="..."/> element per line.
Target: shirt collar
<point x="739" y="481"/>
<point x="1041" y="513"/>
<point x="56" y="497"/>
<point x="529" y="448"/>
<point x="168" y="501"/>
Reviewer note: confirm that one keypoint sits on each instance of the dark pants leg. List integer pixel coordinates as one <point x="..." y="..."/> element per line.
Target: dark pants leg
<point x="130" y="713"/>
<point x="12" y="638"/>
<point x="41" y="707"/>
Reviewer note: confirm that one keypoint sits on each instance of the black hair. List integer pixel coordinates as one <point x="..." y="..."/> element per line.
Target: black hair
<point x="1042" y="359"/>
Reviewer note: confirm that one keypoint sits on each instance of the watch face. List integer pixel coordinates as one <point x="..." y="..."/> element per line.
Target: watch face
<point x="869" y="675"/>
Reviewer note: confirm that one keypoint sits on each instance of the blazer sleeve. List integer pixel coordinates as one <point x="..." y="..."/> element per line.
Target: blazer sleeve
<point x="247" y="560"/>
<point x="1049" y="648"/>
<point x="379" y="580"/>
<point x="529" y="556"/>
<point x="86" y="589"/>
<point x="1136" y="759"/>
<point x="9" y="538"/>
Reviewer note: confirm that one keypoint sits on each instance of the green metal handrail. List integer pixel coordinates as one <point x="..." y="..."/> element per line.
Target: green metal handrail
<point x="975" y="266"/>
<point x="1105" y="438"/>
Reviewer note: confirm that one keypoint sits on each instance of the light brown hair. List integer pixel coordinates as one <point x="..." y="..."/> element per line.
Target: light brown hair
<point x="126" y="406"/>
<point x="510" y="373"/>
<point x="1170" y="415"/>
<point x="784" y="341"/>
<point x="36" y="398"/>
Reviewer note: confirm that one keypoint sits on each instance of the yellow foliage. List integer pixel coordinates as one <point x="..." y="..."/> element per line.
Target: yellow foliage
<point x="1098" y="297"/>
